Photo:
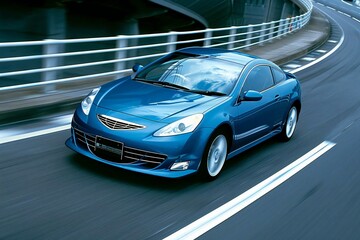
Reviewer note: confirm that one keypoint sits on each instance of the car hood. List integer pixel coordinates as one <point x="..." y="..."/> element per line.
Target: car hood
<point x="152" y="102"/>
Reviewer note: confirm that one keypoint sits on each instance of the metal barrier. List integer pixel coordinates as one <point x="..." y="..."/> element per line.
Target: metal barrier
<point x="54" y="61"/>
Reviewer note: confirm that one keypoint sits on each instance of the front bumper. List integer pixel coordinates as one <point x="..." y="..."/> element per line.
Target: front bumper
<point x="142" y="152"/>
<point x="161" y="172"/>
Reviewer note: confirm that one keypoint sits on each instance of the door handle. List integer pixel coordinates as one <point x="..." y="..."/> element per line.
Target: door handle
<point x="277" y="97"/>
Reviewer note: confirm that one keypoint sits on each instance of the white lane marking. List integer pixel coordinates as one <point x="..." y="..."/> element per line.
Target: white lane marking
<point x="330" y="8"/>
<point x="350" y="4"/>
<point x="320" y="4"/>
<point x="219" y="215"/>
<point x="356" y="19"/>
<point x="62" y="120"/>
<point x="325" y="55"/>
<point x="332" y="41"/>
<point x="344" y="14"/>
<point x="346" y="3"/>
<point x="292" y="65"/>
<point x="321" y="51"/>
<point x="320" y="58"/>
<point x="309" y="59"/>
<point x="34" y="134"/>
<point x="55" y="129"/>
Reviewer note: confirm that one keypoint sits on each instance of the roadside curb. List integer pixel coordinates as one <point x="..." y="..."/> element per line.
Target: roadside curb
<point x="299" y="43"/>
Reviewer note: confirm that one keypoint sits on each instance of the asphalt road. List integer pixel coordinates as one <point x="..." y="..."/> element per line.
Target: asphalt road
<point x="48" y="192"/>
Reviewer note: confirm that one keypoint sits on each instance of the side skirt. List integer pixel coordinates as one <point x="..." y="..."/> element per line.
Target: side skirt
<point x="252" y="144"/>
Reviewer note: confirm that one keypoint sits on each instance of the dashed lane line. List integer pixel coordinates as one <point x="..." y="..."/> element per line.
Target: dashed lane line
<point x="339" y="43"/>
<point x="356" y="19"/>
<point x="346" y="3"/>
<point x="345" y="14"/>
<point x="308" y="59"/>
<point x="293" y="66"/>
<point x="321" y="51"/>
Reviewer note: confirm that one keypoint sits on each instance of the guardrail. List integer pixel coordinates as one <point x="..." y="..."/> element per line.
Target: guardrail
<point x="61" y="61"/>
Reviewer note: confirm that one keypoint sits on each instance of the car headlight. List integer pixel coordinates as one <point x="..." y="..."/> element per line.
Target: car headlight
<point x="185" y="125"/>
<point x="88" y="101"/>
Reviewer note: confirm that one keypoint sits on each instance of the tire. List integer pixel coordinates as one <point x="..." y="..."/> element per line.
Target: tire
<point x="214" y="157"/>
<point x="290" y="124"/>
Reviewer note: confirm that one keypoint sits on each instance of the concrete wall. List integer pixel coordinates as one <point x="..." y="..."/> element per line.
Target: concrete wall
<point x="20" y="23"/>
<point x="259" y="11"/>
<point x="22" y="20"/>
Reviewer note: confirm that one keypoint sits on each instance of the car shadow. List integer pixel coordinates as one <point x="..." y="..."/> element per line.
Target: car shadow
<point x="246" y="165"/>
<point x="137" y="179"/>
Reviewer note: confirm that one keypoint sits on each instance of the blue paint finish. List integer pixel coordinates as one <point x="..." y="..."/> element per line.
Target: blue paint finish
<point x="154" y="106"/>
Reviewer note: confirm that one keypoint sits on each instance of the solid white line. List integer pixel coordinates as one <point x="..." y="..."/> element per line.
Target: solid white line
<point x="219" y="215"/>
<point x="325" y="55"/>
<point x="320" y="58"/>
<point x="34" y="134"/>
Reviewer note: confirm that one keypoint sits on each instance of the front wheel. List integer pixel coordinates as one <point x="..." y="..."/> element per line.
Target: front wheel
<point x="214" y="157"/>
<point x="290" y="124"/>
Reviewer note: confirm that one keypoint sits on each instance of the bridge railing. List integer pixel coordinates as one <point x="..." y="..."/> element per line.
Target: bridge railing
<point x="51" y="62"/>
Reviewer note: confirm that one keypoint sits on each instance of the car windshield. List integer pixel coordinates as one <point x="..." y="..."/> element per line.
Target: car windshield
<point x="202" y="74"/>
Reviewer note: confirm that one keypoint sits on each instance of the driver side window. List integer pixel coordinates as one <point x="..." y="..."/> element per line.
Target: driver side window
<point x="259" y="79"/>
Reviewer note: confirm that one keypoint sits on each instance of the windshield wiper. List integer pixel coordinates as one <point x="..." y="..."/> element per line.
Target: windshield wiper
<point x="161" y="83"/>
<point x="141" y="80"/>
<point x="169" y="84"/>
<point x="172" y="85"/>
<point x="210" y="93"/>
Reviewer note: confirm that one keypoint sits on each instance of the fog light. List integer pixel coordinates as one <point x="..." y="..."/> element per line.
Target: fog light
<point x="178" y="166"/>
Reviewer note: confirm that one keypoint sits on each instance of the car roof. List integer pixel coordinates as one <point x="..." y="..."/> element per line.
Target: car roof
<point x="229" y="55"/>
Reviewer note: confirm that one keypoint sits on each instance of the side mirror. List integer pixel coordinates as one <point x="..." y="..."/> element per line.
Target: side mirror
<point x="252" y="95"/>
<point x="137" y="67"/>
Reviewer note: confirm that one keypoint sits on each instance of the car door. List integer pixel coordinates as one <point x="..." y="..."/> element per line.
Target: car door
<point x="255" y="118"/>
<point x="282" y="94"/>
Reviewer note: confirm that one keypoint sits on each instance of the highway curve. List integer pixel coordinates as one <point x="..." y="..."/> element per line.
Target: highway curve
<point x="49" y="192"/>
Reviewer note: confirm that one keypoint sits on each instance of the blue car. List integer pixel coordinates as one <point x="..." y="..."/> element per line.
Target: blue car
<point x="187" y="112"/>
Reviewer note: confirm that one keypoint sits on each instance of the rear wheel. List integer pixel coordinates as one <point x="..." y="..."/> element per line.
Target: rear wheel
<point x="290" y="124"/>
<point x="214" y="156"/>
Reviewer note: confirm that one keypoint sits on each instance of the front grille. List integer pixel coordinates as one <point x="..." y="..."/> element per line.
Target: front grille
<point x="118" y="124"/>
<point x="144" y="156"/>
<point x="129" y="156"/>
<point x="85" y="140"/>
